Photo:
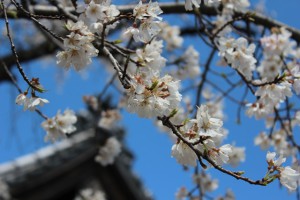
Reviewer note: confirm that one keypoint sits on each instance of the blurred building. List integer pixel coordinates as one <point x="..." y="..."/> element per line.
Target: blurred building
<point x="61" y="170"/>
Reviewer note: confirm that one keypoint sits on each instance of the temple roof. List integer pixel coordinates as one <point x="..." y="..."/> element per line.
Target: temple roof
<point x="59" y="170"/>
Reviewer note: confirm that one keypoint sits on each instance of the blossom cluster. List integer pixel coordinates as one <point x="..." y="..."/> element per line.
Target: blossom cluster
<point x="150" y="94"/>
<point x="154" y="97"/>
<point x="95" y="14"/>
<point x="181" y="115"/>
<point x="187" y="64"/>
<point x="171" y="35"/>
<point x="270" y="96"/>
<point x="109" y="118"/>
<point x="149" y="60"/>
<point x="288" y="177"/>
<point x="60" y="125"/>
<point x="228" y="4"/>
<point x="205" y="181"/>
<point x="146" y="22"/>
<point x="278" y="140"/>
<point x="281" y="75"/>
<point x="206" y="184"/>
<point x="181" y="194"/>
<point x="30" y="103"/>
<point x="239" y="54"/>
<point x="275" y="46"/>
<point x="205" y="133"/>
<point x="78" y="47"/>
<point x="107" y="153"/>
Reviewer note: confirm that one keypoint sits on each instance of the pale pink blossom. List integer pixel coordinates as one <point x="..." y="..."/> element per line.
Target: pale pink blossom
<point x="208" y="126"/>
<point x="262" y="140"/>
<point x="33" y="102"/>
<point x="21" y="99"/>
<point x="190" y="3"/>
<point x="205" y="181"/>
<point x="184" y="154"/>
<point x="60" y="125"/>
<point x="108" y="153"/>
<point x="289" y="178"/>
<point x="271" y="159"/>
<point x="90" y="194"/>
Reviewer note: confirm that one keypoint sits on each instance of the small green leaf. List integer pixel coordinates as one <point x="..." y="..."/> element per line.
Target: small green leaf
<point x="173" y="113"/>
<point x="119" y="41"/>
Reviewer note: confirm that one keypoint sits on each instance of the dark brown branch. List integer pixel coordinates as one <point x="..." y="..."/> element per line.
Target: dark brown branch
<point x="203" y="76"/>
<point x="13" y="48"/>
<point x="21" y="9"/>
<point x="11" y="77"/>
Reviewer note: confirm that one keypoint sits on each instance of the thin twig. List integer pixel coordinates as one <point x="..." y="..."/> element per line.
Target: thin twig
<point x="125" y="82"/>
<point x="19" y="89"/>
<point x="166" y="122"/>
<point x="19" y="7"/>
<point x="13" y="48"/>
<point x="11" y="77"/>
<point x="203" y="76"/>
<point x="107" y="85"/>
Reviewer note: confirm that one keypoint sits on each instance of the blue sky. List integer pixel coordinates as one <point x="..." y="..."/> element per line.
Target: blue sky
<point x="21" y="133"/>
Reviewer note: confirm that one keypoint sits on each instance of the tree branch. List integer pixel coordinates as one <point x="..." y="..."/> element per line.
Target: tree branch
<point x="167" y="8"/>
<point x="35" y="52"/>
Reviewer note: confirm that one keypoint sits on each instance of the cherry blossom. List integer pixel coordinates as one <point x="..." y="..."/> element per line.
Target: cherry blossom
<point x="30" y="103"/>
<point x="274" y="93"/>
<point x="170" y="34"/>
<point x="146" y="15"/>
<point x="262" y="140"/>
<point x="238" y="54"/>
<point x="4" y="191"/>
<point x="208" y="126"/>
<point x="78" y="47"/>
<point x="270" y="67"/>
<point x="181" y="194"/>
<point x="95" y="13"/>
<point x="109" y="118"/>
<point x="33" y="102"/>
<point x="228" y="196"/>
<point x="289" y="178"/>
<point x="21" y="99"/>
<point x="278" y="43"/>
<point x="90" y="194"/>
<point x="221" y="155"/>
<point x="107" y="153"/>
<point x="60" y="125"/>
<point x="274" y="162"/>
<point x="190" y="3"/>
<point x="155" y="97"/>
<point x="188" y="64"/>
<point x="184" y="154"/>
<point x="236" y="156"/>
<point x="149" y="59"/>
<point x="144" y="11"/>
<point x="205" y="181"/>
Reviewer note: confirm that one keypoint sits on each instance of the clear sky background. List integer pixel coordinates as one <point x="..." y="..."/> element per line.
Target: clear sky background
<point x="21" y="133"/>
